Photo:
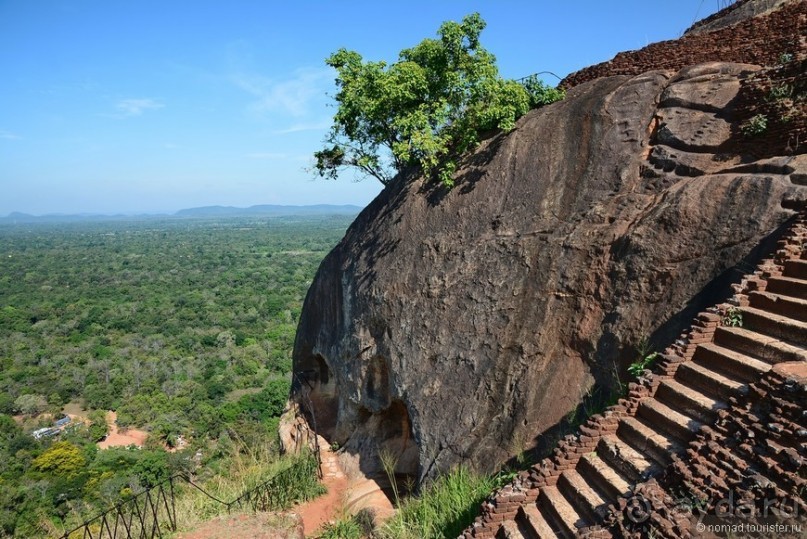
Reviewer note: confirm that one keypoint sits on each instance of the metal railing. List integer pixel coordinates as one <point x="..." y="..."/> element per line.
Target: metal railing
<point x="149" y="514"/>
<point x="534" y="76"/>
<point x="152" y="513"/>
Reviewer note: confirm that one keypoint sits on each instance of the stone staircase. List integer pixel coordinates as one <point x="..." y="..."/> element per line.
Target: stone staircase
<point x="571" y="494"/>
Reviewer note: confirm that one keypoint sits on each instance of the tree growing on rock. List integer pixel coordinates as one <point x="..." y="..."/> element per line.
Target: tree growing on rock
<point x="424" y="110"/>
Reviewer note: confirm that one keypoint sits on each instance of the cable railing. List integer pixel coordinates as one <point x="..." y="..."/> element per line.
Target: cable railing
<point x="152" y="513"/>
<point x="149" y="514"/>
<point x="534" y="77"/>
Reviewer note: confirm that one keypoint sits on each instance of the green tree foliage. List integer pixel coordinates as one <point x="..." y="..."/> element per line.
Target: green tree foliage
<point x="31" y="404"/>
<point x="540" y="93"/>
<point x="425" y="110"/>
<point x="97" y="428"/>
<point x="62" y="459"/>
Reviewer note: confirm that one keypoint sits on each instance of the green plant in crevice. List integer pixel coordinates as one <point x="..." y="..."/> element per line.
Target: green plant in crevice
<point x="645" y="358"/>
<point x="755" y="126"/>
<point x="785" y="58"/>
<point x="637" y="368"/>
<point x="733" y="318"/>
<point x="780" y="92"/>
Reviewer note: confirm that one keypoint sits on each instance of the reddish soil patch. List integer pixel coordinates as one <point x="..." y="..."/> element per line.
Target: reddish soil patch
<point x="346" y="495"/>
<point x="258" y="526"/>
<point x="117" y="438"/>
<point x="328" y="507"/>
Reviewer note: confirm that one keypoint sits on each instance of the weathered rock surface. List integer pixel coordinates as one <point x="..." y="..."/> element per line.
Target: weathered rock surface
<point x="459" y="326"/>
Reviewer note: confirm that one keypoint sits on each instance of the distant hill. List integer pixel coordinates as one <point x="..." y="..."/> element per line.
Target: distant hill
<point x="189" y="213"/>
<point x="268" y="209"/>
<point x="23" y="218"/>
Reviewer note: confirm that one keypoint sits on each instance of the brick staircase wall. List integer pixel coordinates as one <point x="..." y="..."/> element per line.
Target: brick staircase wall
<point x="504" y="506"/>
<point x="752" y="461"/>
<point x="748" y="466"/>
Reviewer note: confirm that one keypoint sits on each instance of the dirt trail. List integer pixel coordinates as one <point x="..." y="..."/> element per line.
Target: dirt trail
<point x="319" y="511"/>
<point x="348" y="493"/>
<point x="345" y="494"/>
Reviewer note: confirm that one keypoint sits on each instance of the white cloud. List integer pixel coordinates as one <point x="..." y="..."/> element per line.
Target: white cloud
<point x="8" y="135"/>
<point x="295" y="96"/>
<point x="135" y="107"/>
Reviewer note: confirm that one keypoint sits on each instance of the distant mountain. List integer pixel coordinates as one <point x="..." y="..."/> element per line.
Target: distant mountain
<point x="268" y="209"/>
<point x="24" y="218"/>
<point x="189" y="213"/>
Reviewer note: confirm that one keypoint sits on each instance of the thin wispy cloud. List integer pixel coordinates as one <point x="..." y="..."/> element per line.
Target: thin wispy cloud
<point x="307" y="126"/>
<point x="266" y="155"/>
<point x="295" y="97"/>
<point x="8" y="135"/>
<point x="128" y="108"/>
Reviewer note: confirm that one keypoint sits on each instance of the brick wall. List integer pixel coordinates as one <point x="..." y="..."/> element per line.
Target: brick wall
<point x="779" y="95"/>
<point x="503" y="504"/>
<point x="761" y="41"/>
<point x="751" y="459"/>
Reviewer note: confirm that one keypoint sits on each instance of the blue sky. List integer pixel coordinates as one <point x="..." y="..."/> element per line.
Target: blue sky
<point x="111" y="106"/>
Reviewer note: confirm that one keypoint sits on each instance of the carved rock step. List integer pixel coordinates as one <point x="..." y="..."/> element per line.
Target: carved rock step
<point x="711" y="382"/>
<point x="589" y="502"/>
<point x="774" y="325"/>
<point x="658" y="445"/>
<point x="690" y="401"/>
<point x="595" y="471"/>
<point x="788" y="286"/>
<point x="796" y="269"/>
<point x="560" y="512"/>
<point x="631" y="463"/>
<point x="768" y="349"/>
<point x="510" y="530"/>
<point x="788" y="306"/>
<point x="681" y="426"/>
<point x="733" y="363"/>
<point x="533" y="525"/>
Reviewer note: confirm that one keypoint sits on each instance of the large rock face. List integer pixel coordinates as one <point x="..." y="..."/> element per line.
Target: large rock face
<point x="459" y="326"/>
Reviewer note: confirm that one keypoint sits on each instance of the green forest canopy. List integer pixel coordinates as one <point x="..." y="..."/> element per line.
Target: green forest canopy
<point x="183" y="327"/>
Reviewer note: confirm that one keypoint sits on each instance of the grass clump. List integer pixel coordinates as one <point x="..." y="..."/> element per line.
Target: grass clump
<point x="284" y="481"/>
<point x="344" y="528"/>
<point x="443" y="509"/>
